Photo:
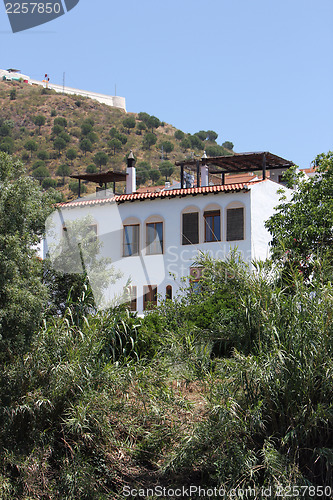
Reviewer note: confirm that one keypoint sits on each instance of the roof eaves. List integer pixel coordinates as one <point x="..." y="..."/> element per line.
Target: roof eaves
<point x="226" y="188"/>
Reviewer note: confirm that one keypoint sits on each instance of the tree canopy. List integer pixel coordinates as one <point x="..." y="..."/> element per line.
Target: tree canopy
<point x="39" y="121"/>
<point x="100" y="159"/>
<point x="129" y="123"/>
<point x="149" y="140"/>
<point x="167" y="147"/>
<point x="228" y="145"/>
<point x="302" y="228"/>
<point x="166" y="168"/>
<point x="23" y="211"/>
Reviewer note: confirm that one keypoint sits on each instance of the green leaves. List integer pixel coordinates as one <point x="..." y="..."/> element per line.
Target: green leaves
<point x="23" y="211"/>
<point x="302" y="229"/>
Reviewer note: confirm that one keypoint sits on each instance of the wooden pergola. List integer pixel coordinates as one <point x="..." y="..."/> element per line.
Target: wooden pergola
<point x="101" y="179"/>
<point x="238" y="163"/>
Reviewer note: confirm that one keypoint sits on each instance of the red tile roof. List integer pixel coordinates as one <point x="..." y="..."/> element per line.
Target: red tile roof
<point x="173" y="193"/>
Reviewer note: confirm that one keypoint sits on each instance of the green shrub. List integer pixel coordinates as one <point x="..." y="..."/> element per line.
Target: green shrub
<point x="74" y="187"/>
<point x="41" y="172"/>
<point x="43" y="155"/>
<point x="91" y="169"/>
<point x="48" y="183"/>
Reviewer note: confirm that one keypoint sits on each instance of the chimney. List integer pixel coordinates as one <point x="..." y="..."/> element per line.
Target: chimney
<point x="204" y="171"/>
<point x="131" y="174"/>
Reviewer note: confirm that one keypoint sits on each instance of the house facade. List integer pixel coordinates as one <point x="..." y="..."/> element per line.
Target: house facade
<point x="154" y="239"/>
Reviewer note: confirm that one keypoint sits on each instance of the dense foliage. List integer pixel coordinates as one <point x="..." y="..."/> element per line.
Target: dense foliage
<point x="23" y="210"/>
<point x="225" y="386"/>
<point x="229" y="385"/>
<point x="302" y="228"/>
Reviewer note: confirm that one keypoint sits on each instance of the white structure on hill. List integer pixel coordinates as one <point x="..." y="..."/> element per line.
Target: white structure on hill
<point x="15" y="75"/>
<point x="154" y="239"/>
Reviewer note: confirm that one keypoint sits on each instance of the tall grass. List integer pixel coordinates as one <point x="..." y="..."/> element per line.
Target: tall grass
<point x="231" y="386"/>
<point x="271" y="404"/>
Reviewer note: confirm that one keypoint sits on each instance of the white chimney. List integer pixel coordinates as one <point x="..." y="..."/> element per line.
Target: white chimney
<point x="204" y="171"/>
<point x="131" y="174"/>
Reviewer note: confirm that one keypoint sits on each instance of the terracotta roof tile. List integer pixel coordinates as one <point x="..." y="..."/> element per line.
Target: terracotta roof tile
<point x="173" y="193"/>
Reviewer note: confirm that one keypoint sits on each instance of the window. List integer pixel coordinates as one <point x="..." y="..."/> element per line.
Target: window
<point x="168" y="292"/>
<point x="149" y="297"/>
<point x="131" y="240"/>
<point x="212" y="225"/>
<point x="132" y="298"/>
<point x="190" y="234"/>
<point x="235" y="224"/>
<point x="154" y="238"/>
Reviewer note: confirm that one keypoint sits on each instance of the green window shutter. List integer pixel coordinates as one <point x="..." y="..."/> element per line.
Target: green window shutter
<point x="190" y="234"/>
<point x="235" y="224"/>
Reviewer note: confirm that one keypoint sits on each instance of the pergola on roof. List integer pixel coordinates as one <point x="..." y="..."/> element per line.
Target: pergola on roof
<point x="239" y="162"/>
<point x="102" y="178"/>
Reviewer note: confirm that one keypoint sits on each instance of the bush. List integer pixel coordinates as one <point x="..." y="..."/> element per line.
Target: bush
<point x="25" y="156"/>
<point x="7" y="145"/>
<point x="74" y="187"/>
<point x="60" y="121"/>
<point x="40" y="172"/>
<point x="43" y="155"/>
<point x="49" y="183"/>
<point x="38" y="163"/>
<point x="91" y="169"/>
<point x="196" y="143"/>
<point x="215" y="150"/>
<point x="179" y="135"/>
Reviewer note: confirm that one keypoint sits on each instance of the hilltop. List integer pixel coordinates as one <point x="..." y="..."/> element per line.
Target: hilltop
<point x="58" y="135"/>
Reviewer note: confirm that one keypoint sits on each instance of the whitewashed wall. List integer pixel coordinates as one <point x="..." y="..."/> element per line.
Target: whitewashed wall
<point x="174" y="264"/>
<point x="264" y="199"/>
<point x="114" y="101"/>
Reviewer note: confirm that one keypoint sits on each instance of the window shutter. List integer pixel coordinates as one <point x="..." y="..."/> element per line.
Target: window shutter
<point x="149" y="296"/>
<point x="235" y="224"/>
<point x="190" y="228"/>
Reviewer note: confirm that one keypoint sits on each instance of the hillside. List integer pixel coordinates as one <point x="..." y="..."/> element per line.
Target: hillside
<point x="59" y="135"/>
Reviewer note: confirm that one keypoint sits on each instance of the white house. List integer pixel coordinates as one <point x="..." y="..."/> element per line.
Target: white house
<point x="154" y="239"/>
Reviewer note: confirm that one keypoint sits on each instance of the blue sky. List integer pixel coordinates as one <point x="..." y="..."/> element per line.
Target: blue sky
<point x="258" y="72"/>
